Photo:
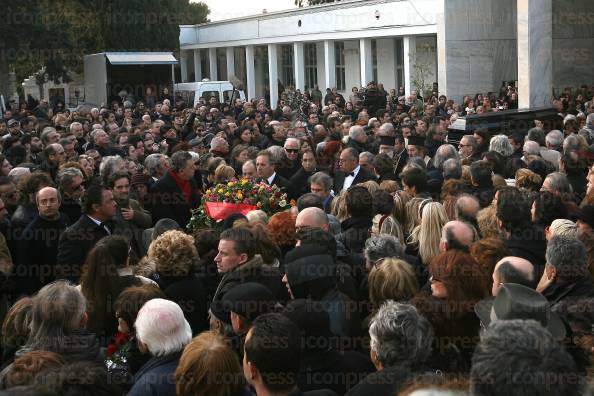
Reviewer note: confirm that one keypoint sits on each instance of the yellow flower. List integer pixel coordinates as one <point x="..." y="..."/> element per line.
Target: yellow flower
<point x="239" y="195"/>
<point x="231" y="184"/>
<point x="227" y="194"/>
<point x="244" y="181"/>
<point x="208" y="191"/>
<point x="259" y="204"/>
<point x="220" y="191"/>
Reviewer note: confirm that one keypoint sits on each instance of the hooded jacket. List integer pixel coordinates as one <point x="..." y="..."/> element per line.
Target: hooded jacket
<point x="314" y="277"/>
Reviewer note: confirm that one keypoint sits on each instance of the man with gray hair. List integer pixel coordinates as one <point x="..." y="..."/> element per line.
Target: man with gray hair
<point x="219" y="147"/>
<point x="566" y="273"/>
<point x="554" y="140"/>
<point x="357" y="138"/>
<point x="163" y="332"/>
<point x="176" y="194"/>
<point x="452" y="169"/>
<point x="366" y="161"/>
<point x="530" y="148"/>
<point x="71" y="186"/>
<point x="57" y="324"/>
<point x="380" y="247"/>
<point x="401" y="342"/>
<point x="500" y="144"/>
<point x="157" y="166"/>
<point x="521" y="358"/>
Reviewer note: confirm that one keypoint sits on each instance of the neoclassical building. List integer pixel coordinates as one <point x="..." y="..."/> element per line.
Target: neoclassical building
<point x="464" y="46"/>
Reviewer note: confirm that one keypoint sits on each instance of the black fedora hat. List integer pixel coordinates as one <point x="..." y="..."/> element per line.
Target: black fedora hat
<point x="520" y="302"/>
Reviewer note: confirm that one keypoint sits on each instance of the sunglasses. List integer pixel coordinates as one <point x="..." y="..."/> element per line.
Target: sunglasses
<point x="292" y="150"/>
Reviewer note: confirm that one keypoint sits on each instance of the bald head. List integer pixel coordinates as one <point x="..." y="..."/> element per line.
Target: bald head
<point x="456" y="235"/>
<point x="467" y="207"/>
<point x="512" y="269"/>
<point x="312" y="218"/>
<point x="48" y="203"/>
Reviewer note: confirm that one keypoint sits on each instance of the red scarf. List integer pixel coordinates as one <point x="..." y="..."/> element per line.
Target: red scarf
<point x="184" y="185"/>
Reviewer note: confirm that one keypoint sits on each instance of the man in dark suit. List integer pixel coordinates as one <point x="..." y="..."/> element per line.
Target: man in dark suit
<point x="38" y="247"/>
<point x="174" y="195"/>
<point x="299" y="181"/>
<point x="350" y="172"/>
<point x="266" y="170"/>
<point x="95" y="223"/>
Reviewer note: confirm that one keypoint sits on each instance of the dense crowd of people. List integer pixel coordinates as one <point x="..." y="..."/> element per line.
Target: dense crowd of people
<point x="409" y="263"/>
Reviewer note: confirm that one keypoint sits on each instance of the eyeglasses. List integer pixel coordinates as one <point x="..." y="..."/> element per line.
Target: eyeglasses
<point x="464" y="145"/>
<point x="291" y="150"/>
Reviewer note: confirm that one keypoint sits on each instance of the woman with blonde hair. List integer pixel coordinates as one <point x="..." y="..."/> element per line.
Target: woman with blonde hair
<point x="338" y="206"/>
<point x="174" y="255"/>
<point x="223" y="174"/>
<point x="528" y="180"/>
<point x="209" y="367"/>
<point x="371" y="186"/>
<point x="427" y="235"/>
<point x="414" y="207"/>
<point x="392" y="279"/>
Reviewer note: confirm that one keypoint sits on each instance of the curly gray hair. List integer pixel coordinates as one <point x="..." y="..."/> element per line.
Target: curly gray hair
<point x="382" y="246"/>
<point x="568" y="256"/>
<point x="501" y="145"/>
<point x="400" y="335"/>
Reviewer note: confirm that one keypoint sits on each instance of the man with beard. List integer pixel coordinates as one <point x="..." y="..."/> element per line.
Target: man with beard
<point x="39" y="243"/>
<point x="32" y="145"/>
<point x="130" y="218"/>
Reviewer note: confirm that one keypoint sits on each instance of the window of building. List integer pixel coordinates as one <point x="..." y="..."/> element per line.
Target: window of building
<point x="340" y="65"/>
<point x="311" y="65"/>
<point x="287" y="74"/>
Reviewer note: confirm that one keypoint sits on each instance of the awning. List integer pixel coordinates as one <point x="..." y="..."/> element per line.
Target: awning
<point x="141" y="58"/>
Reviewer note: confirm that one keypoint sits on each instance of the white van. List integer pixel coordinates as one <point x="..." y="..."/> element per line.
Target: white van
<point x="192" y="92"/>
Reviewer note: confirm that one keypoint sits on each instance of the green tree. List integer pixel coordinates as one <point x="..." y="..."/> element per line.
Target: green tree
<point x="54" y="36"/>
<point x="301" y="3"/>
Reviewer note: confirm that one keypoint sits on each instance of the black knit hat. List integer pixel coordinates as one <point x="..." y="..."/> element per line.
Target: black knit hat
<point x="249" y="300"/>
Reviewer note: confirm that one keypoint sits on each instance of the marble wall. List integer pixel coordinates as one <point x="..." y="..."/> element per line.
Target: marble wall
<point x="477" y="48"/>
<point x="573" y="43"/>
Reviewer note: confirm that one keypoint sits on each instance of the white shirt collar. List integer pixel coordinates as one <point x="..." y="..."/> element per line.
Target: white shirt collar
<point x="271" y="178"/>
<point x="94" y="220"/>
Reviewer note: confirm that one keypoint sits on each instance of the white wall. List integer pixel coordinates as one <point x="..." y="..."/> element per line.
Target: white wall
<point x="477" y="45"/>
<point x="338" y="21"/>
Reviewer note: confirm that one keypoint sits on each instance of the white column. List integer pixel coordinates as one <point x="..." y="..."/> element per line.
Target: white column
<point x="410" y="48"/>
<point x="212" y="59"/>
<point x="230" y="62"/>
<point x="183" y="62"/>
<point x="329" y="64"/>
<point x="366" y="61"/>
<point x="299" y="67"/>
<point x="197" y="66"/>
<point x="250" y="72"/>
<point x="535" y="47"/>
<point x="273" y="74"/>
